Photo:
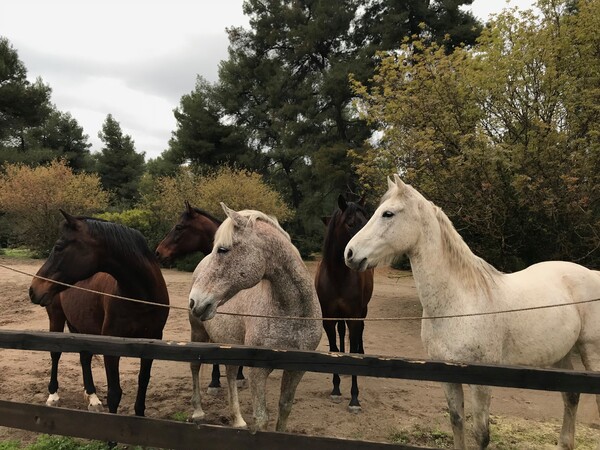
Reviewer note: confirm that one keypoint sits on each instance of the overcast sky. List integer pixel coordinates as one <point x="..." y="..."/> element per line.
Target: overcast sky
<point x="133" y="59"/>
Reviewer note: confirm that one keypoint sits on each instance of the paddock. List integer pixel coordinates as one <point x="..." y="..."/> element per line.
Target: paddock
<point x="389" y="405"/>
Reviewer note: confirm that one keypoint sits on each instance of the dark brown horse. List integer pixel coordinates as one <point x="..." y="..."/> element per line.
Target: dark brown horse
<point x="194" y="232"/>
<point x="343" y="292"/>
<point x="113" y="259"/>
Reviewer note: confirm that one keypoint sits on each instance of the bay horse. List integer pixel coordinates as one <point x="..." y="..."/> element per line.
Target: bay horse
<point x="451" y="280"/>
<point x="343" y="292"/>
<point x="194" y="232"/>
<point x="110" y="258"/>
<point x="255" y="269"/>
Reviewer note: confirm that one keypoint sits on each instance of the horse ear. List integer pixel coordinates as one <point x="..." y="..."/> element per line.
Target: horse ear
<point x="398" y="181"/>
<point x="342" y="202"/>
<point x="237" y="218"/>
<point x="71" y="221"/>
<point x="188" y="208"/>
<point x="391" y="184"/>
<point x="326" y="220"/>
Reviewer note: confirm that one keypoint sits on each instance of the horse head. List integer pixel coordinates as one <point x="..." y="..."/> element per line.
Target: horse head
<point x="393" y="229"/>
<point x="74" y="257"/>
<point x="194" y="232"/>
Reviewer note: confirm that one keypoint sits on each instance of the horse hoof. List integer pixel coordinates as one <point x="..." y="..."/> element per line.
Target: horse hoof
<point x="354" y="409"/>
<point x="96" y="407"/>
<point x="198" y="416"/>
<point x="94" y="403"/>
<point x="53" y="400"/>
<point x="242" y="384"/>
<point x="213" y="391"/>
<point x="241" y="423"/>
<point x="336" y="398"/>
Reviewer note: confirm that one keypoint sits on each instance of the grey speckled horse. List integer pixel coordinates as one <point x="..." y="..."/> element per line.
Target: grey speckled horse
<point x="254" y="269"/>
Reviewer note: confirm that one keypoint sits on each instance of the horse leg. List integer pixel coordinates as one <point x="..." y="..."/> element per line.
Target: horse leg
<point x="590" y="356"/>
<point x="215" y="381"/>
<point x="289" y="383"/>
<point x="355" y="329"/>
<point x="329" y="326"/>
<point x="341" y="327"/>
<point x="456" y="408"/>
<point x="89" y="390"/>
<point x="198" y="413"/>
<point x="258" y="385"/>
<point x="240" y="379"/>
<point x="53" y="397"/>
<point x="143" y="381"/>
<point x="481" y="396"/>
<point x="234" y="402"/>
<point x="113" y="382"/>
<point x="571" y="402"/>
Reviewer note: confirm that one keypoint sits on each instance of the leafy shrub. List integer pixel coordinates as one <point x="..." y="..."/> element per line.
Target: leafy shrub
<point x="31" y="198"/>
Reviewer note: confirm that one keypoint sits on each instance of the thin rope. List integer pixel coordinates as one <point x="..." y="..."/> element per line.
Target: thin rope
<point x="263" y="316"/>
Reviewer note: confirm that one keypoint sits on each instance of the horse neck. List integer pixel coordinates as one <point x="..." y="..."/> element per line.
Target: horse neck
<point x="292" y="287"/>
<point x="138" y="277"/>
<point x="333" y="250"/>
<point x="207" y="230"/>
<point x="447" y="274"/>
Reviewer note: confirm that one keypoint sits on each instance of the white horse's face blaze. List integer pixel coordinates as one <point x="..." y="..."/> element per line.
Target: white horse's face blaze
<point x="391" y="231"/>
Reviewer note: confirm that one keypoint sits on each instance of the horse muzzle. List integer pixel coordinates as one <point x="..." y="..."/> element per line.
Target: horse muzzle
<point x="204" y="309"/>
<point x="354" y="262"/>
<point x="40" y="298"/>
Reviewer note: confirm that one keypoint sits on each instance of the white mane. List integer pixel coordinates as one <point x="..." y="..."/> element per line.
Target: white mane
<point x="470" y="267"/>
<point x="224" y="234"/>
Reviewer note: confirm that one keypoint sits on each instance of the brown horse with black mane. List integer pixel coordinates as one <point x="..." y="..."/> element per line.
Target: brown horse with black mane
<point x="109" y="258"/>
<point x="195" y="231"/>
<point x="343" y="292"/>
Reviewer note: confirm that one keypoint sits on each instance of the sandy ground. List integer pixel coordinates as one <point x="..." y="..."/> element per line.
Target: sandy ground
<point x="390" y="407"/>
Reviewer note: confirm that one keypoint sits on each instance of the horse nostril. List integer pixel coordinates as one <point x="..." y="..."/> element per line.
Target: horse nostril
<point x="191" y="303"/>
<point x="30" y="292"/>
<point x="349" y="254"/>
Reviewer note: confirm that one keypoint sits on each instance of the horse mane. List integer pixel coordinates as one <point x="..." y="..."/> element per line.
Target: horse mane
<point x="205" y="214"/>
<point x="224" y="234"/>
<point x="117" y="236"/>
<point x="470" y="267"/>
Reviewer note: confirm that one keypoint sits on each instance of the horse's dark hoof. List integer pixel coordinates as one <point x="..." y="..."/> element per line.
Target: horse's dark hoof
<point x="355" y="409"/>
<point x="336" y="398"/>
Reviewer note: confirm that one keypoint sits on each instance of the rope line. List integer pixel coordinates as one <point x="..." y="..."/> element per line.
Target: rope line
<point x="262" y="316"/>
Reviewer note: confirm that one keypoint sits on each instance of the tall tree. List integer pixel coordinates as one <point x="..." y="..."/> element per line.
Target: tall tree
<point x="120" y="167"/>
<point x="22" y="104"/>
<point x="61" y="132"/>
<point x="505" y="137"/>
<point x="286" y="82"/>
<point x="201" y="137"/>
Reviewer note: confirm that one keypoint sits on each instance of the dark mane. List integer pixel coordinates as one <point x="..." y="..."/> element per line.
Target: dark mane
<point x="116" y="236"/>
<point x="207" y="215"/>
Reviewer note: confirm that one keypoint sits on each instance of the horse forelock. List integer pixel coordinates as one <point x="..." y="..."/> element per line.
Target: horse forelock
<point x="332" y="235"/>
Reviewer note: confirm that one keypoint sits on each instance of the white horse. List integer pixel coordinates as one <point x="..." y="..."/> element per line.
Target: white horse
<point x="254" y="269"/>
<point x="450" y="279"/>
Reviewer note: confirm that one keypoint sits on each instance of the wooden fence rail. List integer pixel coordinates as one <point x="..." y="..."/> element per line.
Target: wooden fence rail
<point x="169" y="434"/>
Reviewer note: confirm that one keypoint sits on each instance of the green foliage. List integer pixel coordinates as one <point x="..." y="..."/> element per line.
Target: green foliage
<point x="139" y="219"/>
<point x="48" y="442"/>
<point x="31" y="198"/>
<point x="118" y="165"/>
<point x="502" y="135"/>
<point x="22" y="104"/>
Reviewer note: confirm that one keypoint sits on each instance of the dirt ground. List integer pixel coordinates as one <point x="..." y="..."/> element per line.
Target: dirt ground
<point x="392" y="409"/>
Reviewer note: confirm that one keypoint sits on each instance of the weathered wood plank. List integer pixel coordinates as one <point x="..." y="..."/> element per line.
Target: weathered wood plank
<point x="362" y="365"/>
<point x="165" y="433"/>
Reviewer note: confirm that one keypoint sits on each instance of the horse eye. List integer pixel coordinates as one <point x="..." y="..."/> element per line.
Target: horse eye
<point x="179" y="227"/>
<point x="222" y="250"/>
<point x="388" y="214"/>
